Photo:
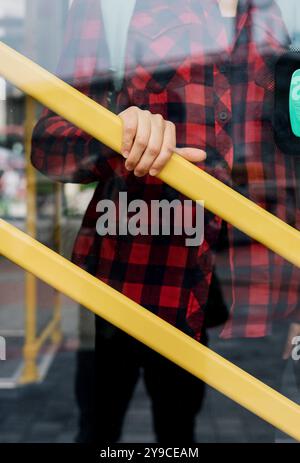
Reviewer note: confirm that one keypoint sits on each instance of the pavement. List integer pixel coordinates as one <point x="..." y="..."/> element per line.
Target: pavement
<point x="48" y="413"/>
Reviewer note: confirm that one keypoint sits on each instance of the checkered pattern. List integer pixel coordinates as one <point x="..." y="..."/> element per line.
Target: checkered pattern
<point x="180" y="64"/>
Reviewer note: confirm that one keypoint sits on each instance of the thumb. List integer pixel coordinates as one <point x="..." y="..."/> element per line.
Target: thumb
<point x="191" y="154"/>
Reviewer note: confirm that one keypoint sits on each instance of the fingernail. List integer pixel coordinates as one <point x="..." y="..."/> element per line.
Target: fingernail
<point x="125" y="154"/>
<point x="128" y="166"/>
<point x="138" y="173"/>
<point x="153" y="172"/>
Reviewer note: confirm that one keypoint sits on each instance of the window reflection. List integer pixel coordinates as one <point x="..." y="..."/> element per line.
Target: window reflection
<point x="212" y="74"/>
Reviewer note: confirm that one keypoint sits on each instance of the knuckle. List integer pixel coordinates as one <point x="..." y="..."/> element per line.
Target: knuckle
<point x="169" y="150"/>
<point x="129" y="118"/>
<point x="130" y="126"/>
<point x="159" y="118"/>
<point x="141" y="142"/>
<point x="171" y="126"/>
<point x="126" y="113"/>
<point x="130" y="129"/>
<point x="153" y="151"/>
<point x="163" y="159"/>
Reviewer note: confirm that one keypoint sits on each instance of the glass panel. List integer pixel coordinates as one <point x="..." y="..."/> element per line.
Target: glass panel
<point x="222" y="75"/>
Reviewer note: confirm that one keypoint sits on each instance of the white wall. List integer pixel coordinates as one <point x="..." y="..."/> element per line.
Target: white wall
<point x="15" y="8"/>
<point x="291" y="14"/>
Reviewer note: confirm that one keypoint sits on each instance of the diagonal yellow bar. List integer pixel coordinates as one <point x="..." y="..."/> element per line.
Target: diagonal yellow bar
<point x="150" y="329"/>
<point x="113" y="306"/>
<point x="179" y="173"/>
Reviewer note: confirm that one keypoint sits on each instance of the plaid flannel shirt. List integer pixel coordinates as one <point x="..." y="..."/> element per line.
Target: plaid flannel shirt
<point x="180" y="63"/>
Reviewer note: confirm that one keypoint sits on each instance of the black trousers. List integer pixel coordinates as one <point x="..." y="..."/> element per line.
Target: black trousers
<point x="119" y="360"/>
<point x="262" y="358"/>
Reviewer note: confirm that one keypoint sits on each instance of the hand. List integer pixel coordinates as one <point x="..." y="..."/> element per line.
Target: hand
<point x="149" y="142"/>
<point x="294" y="331"/>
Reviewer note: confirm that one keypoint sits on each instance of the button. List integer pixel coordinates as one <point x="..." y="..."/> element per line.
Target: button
<point x="109" y="97"/>
<point x="224" y="69"/>
<point x="223" y="116"/>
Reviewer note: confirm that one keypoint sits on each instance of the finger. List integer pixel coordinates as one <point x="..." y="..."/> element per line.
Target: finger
<point x="154" y="145"/>
<point x="192" y="154"/>
<point x="167" y="149"/>
<point x="130" y="124"/>
<point x="141" y="139"/>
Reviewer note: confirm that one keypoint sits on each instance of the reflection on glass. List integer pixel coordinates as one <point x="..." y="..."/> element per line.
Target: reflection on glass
<point x="208" y="67"/>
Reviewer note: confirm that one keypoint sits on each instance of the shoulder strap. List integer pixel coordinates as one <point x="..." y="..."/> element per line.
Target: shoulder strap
<point x="117" y="15"/>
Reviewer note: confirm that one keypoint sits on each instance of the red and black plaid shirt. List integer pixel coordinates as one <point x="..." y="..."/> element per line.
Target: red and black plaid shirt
<point x="180" y="63"/>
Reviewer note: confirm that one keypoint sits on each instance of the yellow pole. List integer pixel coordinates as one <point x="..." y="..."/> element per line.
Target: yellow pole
<point x="33" y="342"/>
<point x="178" y="173"/>
<point x="30" y="371"/>
<point x="56" y="335"/>
<point x="150" y="329"/>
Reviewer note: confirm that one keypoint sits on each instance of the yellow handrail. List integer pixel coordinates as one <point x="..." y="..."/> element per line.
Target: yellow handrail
<point x="178" y="173"/>
<point x="150" y="329"/>
<point x="118" y="309"/>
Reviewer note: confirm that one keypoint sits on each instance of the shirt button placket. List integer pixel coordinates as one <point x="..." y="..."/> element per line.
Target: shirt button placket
<point x="223" y="116"/>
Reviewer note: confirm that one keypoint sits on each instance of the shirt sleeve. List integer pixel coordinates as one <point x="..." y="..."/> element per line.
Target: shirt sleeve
<point x="61" y="150"/>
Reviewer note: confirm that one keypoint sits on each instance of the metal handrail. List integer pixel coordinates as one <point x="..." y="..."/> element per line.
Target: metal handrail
<point x="185" y="177"/>
<point x="151" y="330"/>
<point x="117" y="308"/>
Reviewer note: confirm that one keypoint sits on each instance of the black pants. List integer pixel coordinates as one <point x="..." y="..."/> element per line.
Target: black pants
<point x="262" y="358"/>
<point x="176" y="395"/>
